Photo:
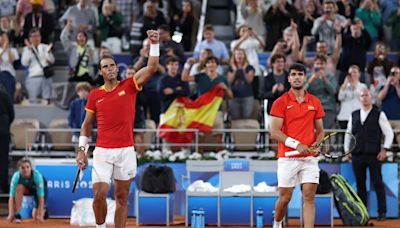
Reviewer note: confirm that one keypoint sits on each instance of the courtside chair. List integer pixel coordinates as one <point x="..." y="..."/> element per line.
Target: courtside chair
<point x="236" y="172"/>
<point x="208" y="171"/>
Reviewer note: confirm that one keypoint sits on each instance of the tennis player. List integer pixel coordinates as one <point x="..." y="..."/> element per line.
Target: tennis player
<point x="113" y="105"/>
<point x="296" y="123"/>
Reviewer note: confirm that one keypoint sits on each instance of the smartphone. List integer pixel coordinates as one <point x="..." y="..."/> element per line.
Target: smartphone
<point x="316" y="69"/>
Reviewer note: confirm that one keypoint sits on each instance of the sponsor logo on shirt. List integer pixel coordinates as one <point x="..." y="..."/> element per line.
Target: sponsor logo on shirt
<point x="99" y="101"/>
<point x="289" y="106"/>
<point x="121" y="93"/>
<point x="310" y="107"/>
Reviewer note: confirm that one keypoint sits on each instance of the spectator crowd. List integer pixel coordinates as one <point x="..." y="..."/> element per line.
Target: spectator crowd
<point x="332" y="38"/>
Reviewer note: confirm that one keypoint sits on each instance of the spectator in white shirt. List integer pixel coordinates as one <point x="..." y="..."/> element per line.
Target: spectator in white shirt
<point x="36" y="84"/>
<point x="251" y="42"/>
<point x="7" y="72"/>
<point x="349" y="95"/>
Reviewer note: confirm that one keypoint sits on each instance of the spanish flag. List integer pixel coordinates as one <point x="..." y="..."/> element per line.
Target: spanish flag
<point x="184" y="113"/>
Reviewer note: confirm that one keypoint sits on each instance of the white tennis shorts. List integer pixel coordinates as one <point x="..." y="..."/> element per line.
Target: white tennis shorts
<point x="116" y="163"/>
<point x="292" y="171"/>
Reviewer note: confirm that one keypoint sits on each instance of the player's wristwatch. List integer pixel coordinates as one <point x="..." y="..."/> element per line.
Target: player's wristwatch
<point x="81" y="148"/>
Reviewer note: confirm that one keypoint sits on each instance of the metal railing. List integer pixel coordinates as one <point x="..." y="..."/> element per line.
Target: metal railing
<point x="257" y="141"/>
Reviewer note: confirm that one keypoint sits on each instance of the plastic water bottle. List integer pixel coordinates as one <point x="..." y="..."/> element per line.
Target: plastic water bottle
<point x="194" y="218"/>
<point x="201" y="219"/>
<point x="259" y="218"/>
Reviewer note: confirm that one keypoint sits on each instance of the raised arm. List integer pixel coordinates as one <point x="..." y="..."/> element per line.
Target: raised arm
<point x="185" y="72"/>
<point x="144" y="74"/>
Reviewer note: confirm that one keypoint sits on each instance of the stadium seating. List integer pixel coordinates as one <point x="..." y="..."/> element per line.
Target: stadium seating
<point x="20" y="137"/>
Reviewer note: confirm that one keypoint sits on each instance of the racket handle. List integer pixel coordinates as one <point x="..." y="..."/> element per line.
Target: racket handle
<point x="292" y="153"/>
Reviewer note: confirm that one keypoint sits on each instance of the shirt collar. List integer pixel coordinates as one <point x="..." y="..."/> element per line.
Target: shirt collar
<point x="79" y="7"/>
<point x="293" y="97"/>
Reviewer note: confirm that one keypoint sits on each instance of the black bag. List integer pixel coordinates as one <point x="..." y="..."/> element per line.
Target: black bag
<point x="158" y="179"/>
<point x="325" y="185"/>
<point x="48" y="71"/>
<point x="351" y="209"/>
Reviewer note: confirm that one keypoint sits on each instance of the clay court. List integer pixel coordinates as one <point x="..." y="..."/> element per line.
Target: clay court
<point x="64" y="223"/>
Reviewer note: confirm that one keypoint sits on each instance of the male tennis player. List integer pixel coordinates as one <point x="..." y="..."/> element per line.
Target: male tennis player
<point x="296" y="123"/>
<point x="113" y="104"/>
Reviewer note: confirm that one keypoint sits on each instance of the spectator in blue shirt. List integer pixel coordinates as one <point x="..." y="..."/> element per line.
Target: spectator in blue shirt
<point x="218" y="47"/>
<point x="171" y="85"/>
<point x="26" y="181"/>
<point x="76" y="112"/>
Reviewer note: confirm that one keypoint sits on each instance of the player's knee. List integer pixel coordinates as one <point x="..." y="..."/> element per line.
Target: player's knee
<point x="309" y="196"/>
<point x="99" y="196"/>
<point x="121" y="198"/>
<point x="285" y="199"/>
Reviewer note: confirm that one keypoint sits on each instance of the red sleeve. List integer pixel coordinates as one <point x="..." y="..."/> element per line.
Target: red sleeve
<point x="320" y="110"/>
<point x="91" y="102"/>
<point x="277" y="108"/>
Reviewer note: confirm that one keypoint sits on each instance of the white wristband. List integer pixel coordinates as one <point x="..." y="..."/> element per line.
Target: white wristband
<point x="291" y="142"/>
<point x="187" y="66"/>
<point x="83" y="141"/>
<point x="154" y="50"/>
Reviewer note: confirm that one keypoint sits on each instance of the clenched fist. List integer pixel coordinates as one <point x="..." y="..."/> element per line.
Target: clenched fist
<point x="153" y="36"/>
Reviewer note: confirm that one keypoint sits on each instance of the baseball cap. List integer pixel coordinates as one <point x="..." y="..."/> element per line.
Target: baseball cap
<point x="37" y="2"/>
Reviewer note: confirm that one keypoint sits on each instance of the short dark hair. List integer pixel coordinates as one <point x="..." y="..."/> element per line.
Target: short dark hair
<point x="34" y="30"/>
<point x="277" y="56"/>
<point x="297" y="67"/>
<point x="171" y="59"/>
<point x="164" y="27"/>
<point x="24" y="160"/>
<point x="208" y="27"/>
<point x="212" y="58"/>
<point x="105" y="57"/>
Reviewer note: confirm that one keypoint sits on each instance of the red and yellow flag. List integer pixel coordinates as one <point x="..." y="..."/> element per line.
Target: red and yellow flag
<point x="184" y="113"/>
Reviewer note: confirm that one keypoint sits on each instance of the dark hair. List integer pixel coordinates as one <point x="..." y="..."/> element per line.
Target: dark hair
<point x="171" y="59"/>
<point x="2" y="32"/>
<point x="277" y="56"/>
<point x="212" y="58"/>
<point x="34" y="30"/>
<point x="321" y="57"/>
<point x="24" y="160"/>
<point x="208" y="27"/>
<point x="105" y="57"/>
<point x="297" y="67"/>
<point x="164" y="27"/>
<point x="330" y="2"/>
<point x="83" y="33"/>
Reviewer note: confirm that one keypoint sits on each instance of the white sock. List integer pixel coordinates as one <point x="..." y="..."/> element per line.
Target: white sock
<point x="101" y="225"/>
<point x="277" y="224"/>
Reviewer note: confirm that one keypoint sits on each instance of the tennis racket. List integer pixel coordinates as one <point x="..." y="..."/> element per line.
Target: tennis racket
<point x="332" y="145"/>
<point x="79" y="172"/>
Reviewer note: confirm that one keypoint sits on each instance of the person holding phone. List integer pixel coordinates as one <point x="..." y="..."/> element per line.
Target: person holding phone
<point x="323" y="85"/>
<point x="348" y="95"/>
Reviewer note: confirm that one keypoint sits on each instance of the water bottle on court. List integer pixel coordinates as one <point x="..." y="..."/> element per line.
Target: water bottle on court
<point x="259" y="218"/>
<point x="194" y="218"/>
<point x="201" y="219"/>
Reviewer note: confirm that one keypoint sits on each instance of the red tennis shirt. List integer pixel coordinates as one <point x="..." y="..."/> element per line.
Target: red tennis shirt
<point x="115" y="113"/>
<point x="298" y="118"/>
